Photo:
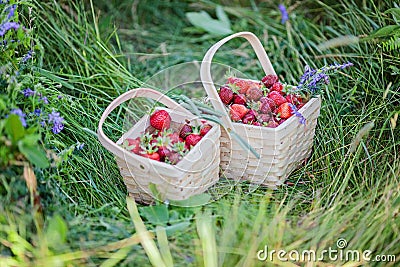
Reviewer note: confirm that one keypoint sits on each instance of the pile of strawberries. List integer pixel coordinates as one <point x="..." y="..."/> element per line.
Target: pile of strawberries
<point x="166" y="141"/>
<point x="265" y="103"/>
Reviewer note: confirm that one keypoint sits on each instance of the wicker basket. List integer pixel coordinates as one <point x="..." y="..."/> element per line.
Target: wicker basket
<point x="281" y="149"/>
<point x="194" y="174"/>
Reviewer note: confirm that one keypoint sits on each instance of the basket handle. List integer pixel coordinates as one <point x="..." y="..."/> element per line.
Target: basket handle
<point x="205" y="70"/>
<point x="139" y="92"/>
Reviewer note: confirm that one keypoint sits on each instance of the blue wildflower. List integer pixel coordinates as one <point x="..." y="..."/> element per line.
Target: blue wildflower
<point x="44" y="100"/>
<point x="312" y="79"/>
<point x="57" y="128"/>
<point x="5" y="27"/>
<point x="11" y="11"/>
<point x="37" y="112"/>
<point x="296" y="112"/>
<point x="59" y="96"/>
<point x="284" y="13"/>
<point x="28" y="92"/>
<point x="27" y="56"/>
<point x="56" y="120"/>
<point x="20" y="114"/>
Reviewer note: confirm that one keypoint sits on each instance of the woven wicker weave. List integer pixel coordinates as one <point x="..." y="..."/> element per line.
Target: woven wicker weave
<point x="281" y="149"/>
<point x="194" y="174"/>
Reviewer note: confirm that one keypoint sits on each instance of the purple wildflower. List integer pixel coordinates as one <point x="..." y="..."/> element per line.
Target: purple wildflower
<point x="11" y="11"/>
<point x="336" y="66"/>
<point x="312" y="79"/>
<point x="59" y="96"/>
<point x="37" y="112"/>
<point x="57" y="128"/>
<point x="56" y="120"/>
<point x="27" y="56"/>
<point x="20" y="114"/>
<point x="308" y="73"/>
<point x="44" y="100"/>
<point x="28" y="92"/>
<point x="5" y="27"/>
<point x="284" y="13"/>
<point x="296" y="112"/>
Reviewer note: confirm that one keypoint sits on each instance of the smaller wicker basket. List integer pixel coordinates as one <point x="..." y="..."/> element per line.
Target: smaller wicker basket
<point x="281" y="149"/>
<point x="194" y="174"/>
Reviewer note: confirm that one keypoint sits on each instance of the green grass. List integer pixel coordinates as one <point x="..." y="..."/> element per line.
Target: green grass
<point x="337" y="194"/>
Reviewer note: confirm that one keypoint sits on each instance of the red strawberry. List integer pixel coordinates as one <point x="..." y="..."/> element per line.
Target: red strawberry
<point x="299" y="106"/>
<point x="239" y="99"/>
<point x="160" y="120"/>
<point x="153" y="156"/>
<point x="277" y="98"/>
<point x="256" y="123"/>
<point x="249" y="118"/>
<point x="185" y="131"/>
<point x="292" y="99"/>
<point x="264" y="108"/>
<point x="285" y="111"/>
<point x="226" y="95"/>
<point x="237" y="112"/>
<point x="253" y="112"/>
<point x="164" y="152"/>
<point x="174" y="158"/>
<point x="193" y="139"/>
<point x="243" y="86"/>
<point x="254" y="93"/>
<point x="205" y="129"/>
<point x="232" y="80"/>
<point x="264" y="118"/>
<point x="174" y="138"/>
<point x="133" y="145"/>
<point x="269" y="101"/>
<point x="269" y="80"/>
<point x="277" y="87"/>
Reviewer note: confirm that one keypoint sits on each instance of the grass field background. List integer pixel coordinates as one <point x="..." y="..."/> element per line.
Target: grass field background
<point x="92" y="52"/>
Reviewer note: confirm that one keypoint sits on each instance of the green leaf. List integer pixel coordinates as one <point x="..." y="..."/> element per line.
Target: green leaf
<point x="385" y="31"/>
<point x="221" y="15"/>
<point x="196" y="200"/>
<point x="31" y="139"/>
<point x="157" y="214"/>
<point x="395" y="13"/>
<point x="14" y="128"/>
<point x="178" y="227"/>
<point x="155" y="192"/>
<point x="54" y="78"/>
<point x="35" y="154"/>
<point x="32" y="130"/>
<point x="56" y="232"/>
<point x="203" y="20"/>
<point x="165" y="251"/>
<point x="3" y="105"/>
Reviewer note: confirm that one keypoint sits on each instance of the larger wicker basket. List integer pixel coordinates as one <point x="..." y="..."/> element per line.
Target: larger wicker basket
<point x="194" y="174"/>
<point x="281" y="149"/>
